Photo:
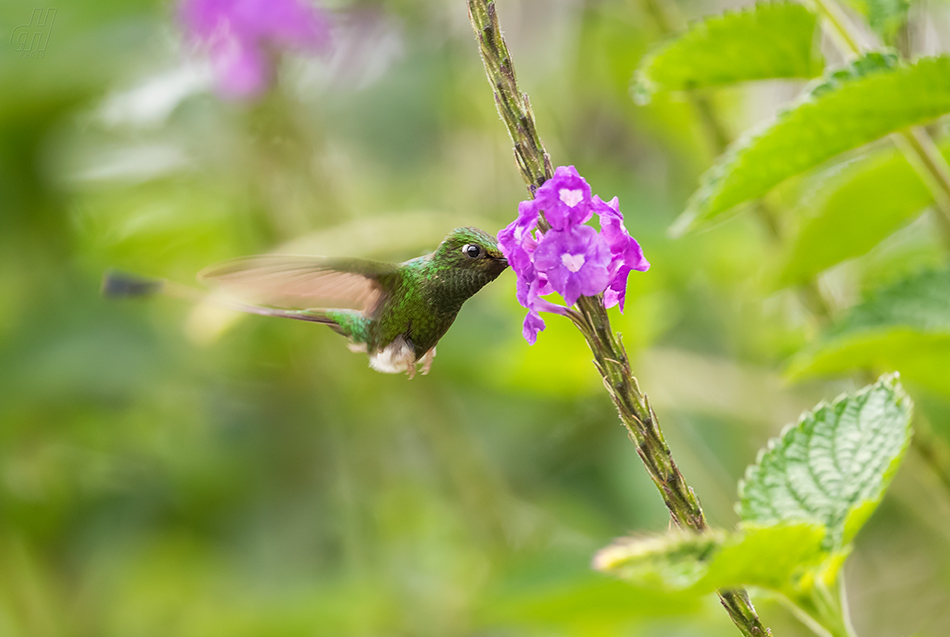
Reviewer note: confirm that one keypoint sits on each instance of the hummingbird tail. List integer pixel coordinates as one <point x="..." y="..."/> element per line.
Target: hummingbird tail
<point x="116" y="285"/>
<point x="121" y="285"/>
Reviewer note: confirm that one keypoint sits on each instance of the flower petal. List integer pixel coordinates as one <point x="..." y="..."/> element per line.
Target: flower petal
<point x="533" y="323"/>
<point x="594" y="280"/>
<point x="616" y="292"/>
<point x="565" y="199"/>
<point x="633" y="256"/>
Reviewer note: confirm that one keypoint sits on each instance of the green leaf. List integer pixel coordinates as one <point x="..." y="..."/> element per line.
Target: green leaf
<point x="550" y="594"/>
<point x="862" y="67"/>
<point x="845" y="110"/>
<point x="921" y="357"/>
<point x="775" y="557"/>
<point x="905" y="326"/>
<point x="859" y="207"/>
<point x="920" y="302"/>
<point x="769" y="40"/>
<point x="675" y="561"/>
<point x="836" y="461"/>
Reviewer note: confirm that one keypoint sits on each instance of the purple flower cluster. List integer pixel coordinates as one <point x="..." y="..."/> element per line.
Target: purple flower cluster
<point x="244" y="36"/>
<point x="571" y="258"/>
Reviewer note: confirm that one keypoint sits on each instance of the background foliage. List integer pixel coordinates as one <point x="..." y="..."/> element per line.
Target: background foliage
<point x="167" y="470"/>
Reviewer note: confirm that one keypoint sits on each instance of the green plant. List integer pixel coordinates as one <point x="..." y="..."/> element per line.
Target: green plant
<point x="813" y="488"/>
<point x="858" y="194"/>
<point x="800" y="505"/>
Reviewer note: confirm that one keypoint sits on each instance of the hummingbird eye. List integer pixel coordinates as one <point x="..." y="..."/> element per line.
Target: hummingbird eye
<point x="471" y="250"/>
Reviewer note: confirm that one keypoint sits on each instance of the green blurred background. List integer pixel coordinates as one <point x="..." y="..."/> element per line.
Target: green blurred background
<point x="168" y="470"/>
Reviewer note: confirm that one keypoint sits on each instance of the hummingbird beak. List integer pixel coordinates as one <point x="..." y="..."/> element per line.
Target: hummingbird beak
<point x="503" y="261"/>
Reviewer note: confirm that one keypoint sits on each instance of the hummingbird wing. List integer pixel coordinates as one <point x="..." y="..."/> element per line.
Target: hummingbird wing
<point x="305" y="282"/>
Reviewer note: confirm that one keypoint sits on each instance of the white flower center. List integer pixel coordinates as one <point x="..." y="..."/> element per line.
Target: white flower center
<point x="573" y="262"/>
<point x="570" y="197"/>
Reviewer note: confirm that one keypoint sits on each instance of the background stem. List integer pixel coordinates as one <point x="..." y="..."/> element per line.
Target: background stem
<point x="610" y="358"/>
<point x="923" y="154"/>
<point x="916" y="141"/>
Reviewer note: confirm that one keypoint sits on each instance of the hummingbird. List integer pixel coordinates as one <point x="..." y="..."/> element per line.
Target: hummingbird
<point x="395" y="312"/>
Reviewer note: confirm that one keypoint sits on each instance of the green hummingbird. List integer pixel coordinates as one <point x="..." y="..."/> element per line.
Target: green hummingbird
<point x="396" y="313"/>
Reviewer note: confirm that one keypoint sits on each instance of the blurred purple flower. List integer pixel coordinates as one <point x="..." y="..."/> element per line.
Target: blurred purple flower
<point x="244" y="37"/>
<point x="572" y="259"/>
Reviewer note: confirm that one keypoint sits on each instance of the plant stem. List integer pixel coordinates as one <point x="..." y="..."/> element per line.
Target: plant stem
<point x="823" y="612"/>
<point x="933" y="449"/>
<point x="841" y="26"/>
<point x="804" y="617"/>
<point x="843" y="606"/>
<point x="610" y="358"/>
<point x="817" y="617"/>
<point x="924" y="155"/>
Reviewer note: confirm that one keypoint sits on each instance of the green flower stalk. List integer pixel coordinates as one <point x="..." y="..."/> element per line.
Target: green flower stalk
<point x="590" y="315"/>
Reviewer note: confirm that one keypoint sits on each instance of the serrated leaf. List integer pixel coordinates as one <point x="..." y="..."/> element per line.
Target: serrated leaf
<point x="864" y="66"/>
<point x="905" y="326"/>
<point x="773" y="557"/>
<point x="855" y="210"/>
<point x="769" y="40"/>
<point x="836" y="461"/>
<point x="845" y="110"/>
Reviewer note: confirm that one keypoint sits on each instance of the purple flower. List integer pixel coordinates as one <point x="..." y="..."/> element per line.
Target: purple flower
<point x="516" y="241"/>
<point x="244" y="36"/>
<point x="626" y="254"/>
<point x="565" y="199"/>
<point x="575" y="262"/>
<point x="529" y="295"/>
<point x="533" y="323"/>
<point x="571" y="258"/>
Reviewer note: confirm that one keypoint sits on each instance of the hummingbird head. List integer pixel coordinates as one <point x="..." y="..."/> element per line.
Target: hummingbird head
<point x="474" y="251"/>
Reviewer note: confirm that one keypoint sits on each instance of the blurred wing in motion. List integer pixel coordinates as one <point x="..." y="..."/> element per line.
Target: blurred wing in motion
<point x="303" y="282"/>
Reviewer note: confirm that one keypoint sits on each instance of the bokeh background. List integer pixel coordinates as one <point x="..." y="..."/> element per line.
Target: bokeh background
<point x="167" y="470"/>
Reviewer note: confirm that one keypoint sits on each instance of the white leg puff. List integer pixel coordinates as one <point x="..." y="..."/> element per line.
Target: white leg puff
<point x="395" y="358"/>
